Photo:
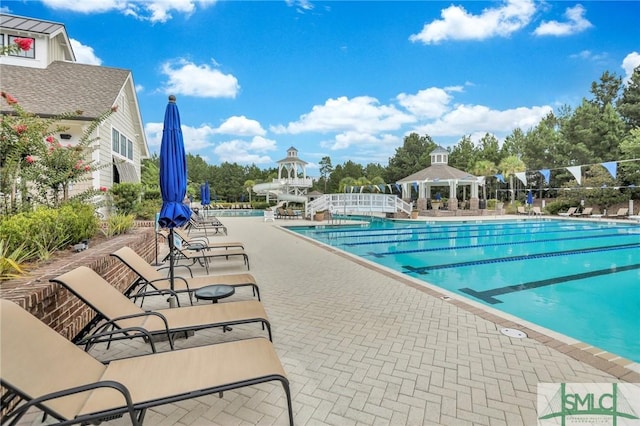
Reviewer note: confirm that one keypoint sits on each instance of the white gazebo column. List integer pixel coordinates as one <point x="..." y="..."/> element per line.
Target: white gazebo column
<point x="453" y="200"/>
<point x="474" y="201"/>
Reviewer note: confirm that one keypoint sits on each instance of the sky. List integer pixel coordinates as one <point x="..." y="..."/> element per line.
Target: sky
<point x="348" y="80"/>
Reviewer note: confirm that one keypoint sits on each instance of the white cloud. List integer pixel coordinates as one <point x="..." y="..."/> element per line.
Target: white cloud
<point x="360" y="114"/>
<point x="468" y="119"/>
<point x="350" y="139"/>
<point x="458" y="24"/>
<point x="428" y="103"/>
<point x="241" y="126"/>
<point x="187" y="78"/>
<point x="588" y="55"/>
<point x="195" y="138"/>
<point x="629" y="63"/>
<point x="152" y="10"/>
<point x="84" y="54"/>
<point x="243" y="152"/>
<point x="576" y="23"/>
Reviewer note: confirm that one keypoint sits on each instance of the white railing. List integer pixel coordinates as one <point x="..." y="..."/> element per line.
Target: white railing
<point x="349" y="204"/>
<point x="300" y="182"/>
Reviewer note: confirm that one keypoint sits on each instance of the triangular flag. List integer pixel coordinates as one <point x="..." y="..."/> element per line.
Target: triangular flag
<point x="612" y="167"/>
<point x="522" y="176"/>
<point x="500" y="178"/>
<point x="398" y="188"/>
<point x="576" y="171"/>
<point x="415" y="186"/>
<point x="546" y="174"/>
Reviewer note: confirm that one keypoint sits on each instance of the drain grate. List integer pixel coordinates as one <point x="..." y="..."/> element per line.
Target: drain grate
<point x="513" y="333"/>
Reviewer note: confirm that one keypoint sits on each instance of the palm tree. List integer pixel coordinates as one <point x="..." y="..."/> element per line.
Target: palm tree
<point x="484" y="168"/>
<point x="248" y="186"/>
<point x="510" y="166"/>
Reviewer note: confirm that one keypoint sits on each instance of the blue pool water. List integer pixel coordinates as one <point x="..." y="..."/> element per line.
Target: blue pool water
<point x="579" y="278"/>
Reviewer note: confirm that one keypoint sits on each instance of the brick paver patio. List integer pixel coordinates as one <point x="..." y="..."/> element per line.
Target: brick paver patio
<point x="363" y="346"/>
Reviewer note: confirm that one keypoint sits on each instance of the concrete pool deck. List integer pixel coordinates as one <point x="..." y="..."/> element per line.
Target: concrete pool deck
<point x="362" y="345"/>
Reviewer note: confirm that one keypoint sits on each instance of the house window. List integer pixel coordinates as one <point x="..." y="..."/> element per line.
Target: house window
<point x="115" y="140"/>
<point x="123" y="145"/>
<point x="31" y="53"/>
<point x="129" y="149"/>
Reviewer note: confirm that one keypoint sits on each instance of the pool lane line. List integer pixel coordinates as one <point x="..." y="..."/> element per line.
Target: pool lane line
<point x="423" y="270"/>
<point x="488" y="296"/>
<point x="473" y="246"/>
<point x="480" y="233"/>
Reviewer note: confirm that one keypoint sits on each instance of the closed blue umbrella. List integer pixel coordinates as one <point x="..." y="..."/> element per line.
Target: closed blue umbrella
<point x="205" y="194"/>
<point x="530" y="198"/>
<point x="173" y="177"/>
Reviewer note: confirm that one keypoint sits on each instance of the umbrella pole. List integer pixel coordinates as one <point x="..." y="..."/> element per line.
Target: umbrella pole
<point x="171" y="257"/>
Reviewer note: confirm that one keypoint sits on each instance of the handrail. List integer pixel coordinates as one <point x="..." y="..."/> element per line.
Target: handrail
<point x="358" y="203"/>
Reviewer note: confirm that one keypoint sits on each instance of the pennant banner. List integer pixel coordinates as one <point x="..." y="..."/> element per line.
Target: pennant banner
<point x="522" y="176"/>
<point x="612" y="167"/>
<point x="546" y="174"/>
<point x="415" y="186"/>
<point x="500" y="178"/>
<point x="576" y="171"/>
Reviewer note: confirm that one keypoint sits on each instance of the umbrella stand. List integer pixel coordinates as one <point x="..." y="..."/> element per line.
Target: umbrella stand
<point x="171" y="257"/>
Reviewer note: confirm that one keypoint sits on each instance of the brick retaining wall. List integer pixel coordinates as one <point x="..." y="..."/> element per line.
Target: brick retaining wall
<point x="56" y="306"/>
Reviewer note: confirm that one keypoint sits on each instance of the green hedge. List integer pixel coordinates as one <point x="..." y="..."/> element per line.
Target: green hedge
<point x="46" y="230"/>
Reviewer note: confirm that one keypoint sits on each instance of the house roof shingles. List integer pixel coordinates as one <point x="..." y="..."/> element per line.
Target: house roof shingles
<point x="89" y="88"/>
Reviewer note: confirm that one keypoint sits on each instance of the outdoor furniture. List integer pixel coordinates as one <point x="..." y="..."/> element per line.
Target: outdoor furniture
<point x="204" y="256"/>
<point x="569" y="212"/>
<point x="148" y="276"/>
<point x="269" y="215"/>
<point x="214" y="292"/>
<point x="121" y="314"/>
<point x="203" y="243"/>
<point x="522" y="210"/>
<point x="536" y="211"/>
<point x="623" y="212"/>
<point x="586" y="212"/>
<point x="195" y="222"/>
<point x="41" y="369"/>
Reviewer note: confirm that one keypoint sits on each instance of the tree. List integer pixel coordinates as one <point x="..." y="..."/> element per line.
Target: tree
<point x="629" y="104"/>
<point x="509" y="166"/>
<point x="325" y="170"/>
<point x="484" y="168"/>
<point x="489" y="149"/>
<point x="513" y="144"/>
<point x="606" y="91"/>
<point x="411" y="157"/>
<point x="630" y="150"/>
<point x="463" y="154"/>
<point x="248" y="186"/>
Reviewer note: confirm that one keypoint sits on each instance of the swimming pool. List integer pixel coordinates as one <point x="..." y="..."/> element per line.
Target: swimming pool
<point x="578" y="278"/>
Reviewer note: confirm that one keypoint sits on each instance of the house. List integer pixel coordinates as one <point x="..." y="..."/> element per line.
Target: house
<point x="47" y="81"/>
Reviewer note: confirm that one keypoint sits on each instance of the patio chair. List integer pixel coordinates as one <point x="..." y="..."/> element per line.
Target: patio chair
<point x="213" y="224"/>
<point x="586" y="212"/>
<point x="203" y="243"/>
<point x="536" y="211"/>
<point x="148" y="276"/>
<point x="41" y="369"/>
<point x="522" y="210"/>
<point x="203" y="257"/>
<point x="623" y="212"/>
<point x="569" y="212"/>
<point x="121" y="313"/>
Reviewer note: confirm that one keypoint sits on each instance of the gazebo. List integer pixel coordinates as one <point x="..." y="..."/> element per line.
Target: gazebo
<point x="440" y="174"/>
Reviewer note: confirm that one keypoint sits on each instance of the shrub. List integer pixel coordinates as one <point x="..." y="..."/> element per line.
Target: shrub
<point x="11" y="262"/>
<point x="118" y="224"/>
<point x="126" y="197"/>
<point x="147" y="209"/>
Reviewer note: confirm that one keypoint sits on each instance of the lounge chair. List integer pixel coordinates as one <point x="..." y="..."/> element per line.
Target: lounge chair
<point x="213" y="224"/>
<point x="522" y="210"/>
<point x="536" y="211"/>
<point x="569" y="212"/>
<point x="203" y="256"/>
<point x="586" y="212"/>
<point x="148" y="276"/>
<point x="623" y="212"/>
<point x="203" y="243"/>
<point x="41" y="369"/>
<point x="121" y="313"/>
<point x="282" y="213"/>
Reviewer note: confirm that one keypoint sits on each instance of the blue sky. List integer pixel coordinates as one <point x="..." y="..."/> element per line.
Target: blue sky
<point x="347" y="79"/>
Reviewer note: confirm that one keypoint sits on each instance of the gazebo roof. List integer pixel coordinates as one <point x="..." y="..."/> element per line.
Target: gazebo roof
<point x="438" y="172"/>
